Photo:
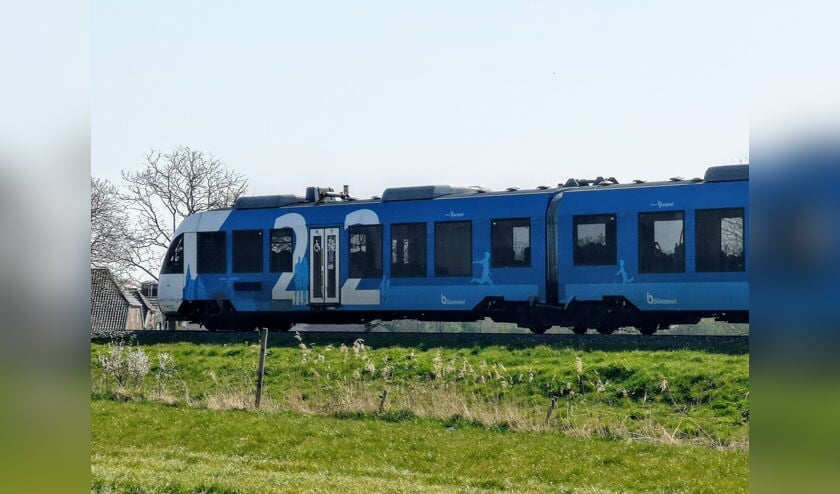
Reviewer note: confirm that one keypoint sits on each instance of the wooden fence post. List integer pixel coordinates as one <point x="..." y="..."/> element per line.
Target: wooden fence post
<point x="384" y="397"/>
<point x="551" y="410"/>
<point x="261" y="368"/>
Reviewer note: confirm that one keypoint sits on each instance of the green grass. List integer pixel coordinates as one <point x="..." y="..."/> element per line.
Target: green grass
<point x="462" y="414"/>
<point x="146" y="447"/>
<point x="667" y="395"/>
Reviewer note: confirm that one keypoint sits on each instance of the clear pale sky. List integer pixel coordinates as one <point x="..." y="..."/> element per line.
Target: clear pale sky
<point x="377" y="94"/>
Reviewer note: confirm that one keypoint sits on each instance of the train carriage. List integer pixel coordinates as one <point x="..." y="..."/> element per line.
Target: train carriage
<point x="587" y="254"/>
<point x="651" y="255"/>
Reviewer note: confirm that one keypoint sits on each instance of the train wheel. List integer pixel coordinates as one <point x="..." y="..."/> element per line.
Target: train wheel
<point x="539" y="329"/>
<point x="647" y="329"/>
<point x="579" y="329"/>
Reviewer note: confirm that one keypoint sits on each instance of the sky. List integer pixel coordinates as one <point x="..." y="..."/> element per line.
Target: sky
<point x="376" y="94"/>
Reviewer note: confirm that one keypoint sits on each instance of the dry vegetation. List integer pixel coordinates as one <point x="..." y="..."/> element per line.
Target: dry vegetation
<point x="670" y="397"/>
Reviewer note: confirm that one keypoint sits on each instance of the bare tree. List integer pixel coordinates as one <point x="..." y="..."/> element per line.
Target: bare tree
<point x="170" y="187"/>
<point x="109" y="224"/>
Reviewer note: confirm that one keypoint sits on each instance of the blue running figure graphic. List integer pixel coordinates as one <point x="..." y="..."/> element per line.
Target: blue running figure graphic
<point x="623" y="273"/>
<point x="384" y="288"/>
<point x="485" y="271"/>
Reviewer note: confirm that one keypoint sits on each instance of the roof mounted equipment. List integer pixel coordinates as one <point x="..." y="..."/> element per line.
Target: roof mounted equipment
<point x="584" y="182"/>
<point x="422" y="192"/>
<point x="727" y="173"/>
<point x="262" y="202"/>
<point x="321" y="195"/>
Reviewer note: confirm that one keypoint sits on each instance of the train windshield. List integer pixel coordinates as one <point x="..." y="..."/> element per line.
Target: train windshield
<point x="173" y="263"/>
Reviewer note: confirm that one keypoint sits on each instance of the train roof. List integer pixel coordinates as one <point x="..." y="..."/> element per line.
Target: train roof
<point x="322" y="196"/>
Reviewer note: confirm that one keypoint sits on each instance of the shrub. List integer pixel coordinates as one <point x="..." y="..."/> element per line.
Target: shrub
<point x="124" y="364"/>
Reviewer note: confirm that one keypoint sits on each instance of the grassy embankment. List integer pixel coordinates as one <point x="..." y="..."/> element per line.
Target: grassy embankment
<point x="455" y="417"/>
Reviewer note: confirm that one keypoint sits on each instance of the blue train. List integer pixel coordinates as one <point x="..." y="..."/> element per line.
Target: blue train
<point x="587" y="254"/>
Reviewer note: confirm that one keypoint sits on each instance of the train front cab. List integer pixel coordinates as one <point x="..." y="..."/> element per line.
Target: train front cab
<point x="180" y="266"/>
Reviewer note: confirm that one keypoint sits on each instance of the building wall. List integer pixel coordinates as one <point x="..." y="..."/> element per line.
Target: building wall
<point x="134" y="320"/>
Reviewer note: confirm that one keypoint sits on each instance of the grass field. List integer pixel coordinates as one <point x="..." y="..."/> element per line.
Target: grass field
<point x="142" y="447"/>
<point x="457" y="416"/>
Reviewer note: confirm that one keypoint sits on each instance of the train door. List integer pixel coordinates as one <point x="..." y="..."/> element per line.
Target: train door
<point x="324" y="267"/>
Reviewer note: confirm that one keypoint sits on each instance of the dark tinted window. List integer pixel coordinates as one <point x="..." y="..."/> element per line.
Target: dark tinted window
<point x="720" y="240"/>
<point x="280" y="250"/>
<point x="453" y="248"/>
<point x="594" y="240"/>
<point x="149" y="289"/>
<point x="248" y="251"/>
<point x="173" y="263"/>
<point x="211" y="252"/>
<point x="662" y="242"/>
<point x="510" y="242"/>
<point x="408" y="250"/>
<point x="365" y="243"/>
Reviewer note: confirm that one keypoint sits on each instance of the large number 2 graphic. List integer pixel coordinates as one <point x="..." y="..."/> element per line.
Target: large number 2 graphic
<point x="298" y="225"/>
<point x="350" y="293"/>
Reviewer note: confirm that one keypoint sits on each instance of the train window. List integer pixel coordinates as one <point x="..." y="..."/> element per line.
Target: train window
<point x="211" y="252"/>
<point x="408" y="250"/>
<point x="280" y="247"/>
<point x="720" y="240"/>
<point x="510" y="243"/>
<point x="594" y="240"/>
<point x="248" y="251"/>
<point x="365" y="251"/>
<point x="662" y="242"/>
<point x="453" y="248"/>
<point x="173" y="263"/>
